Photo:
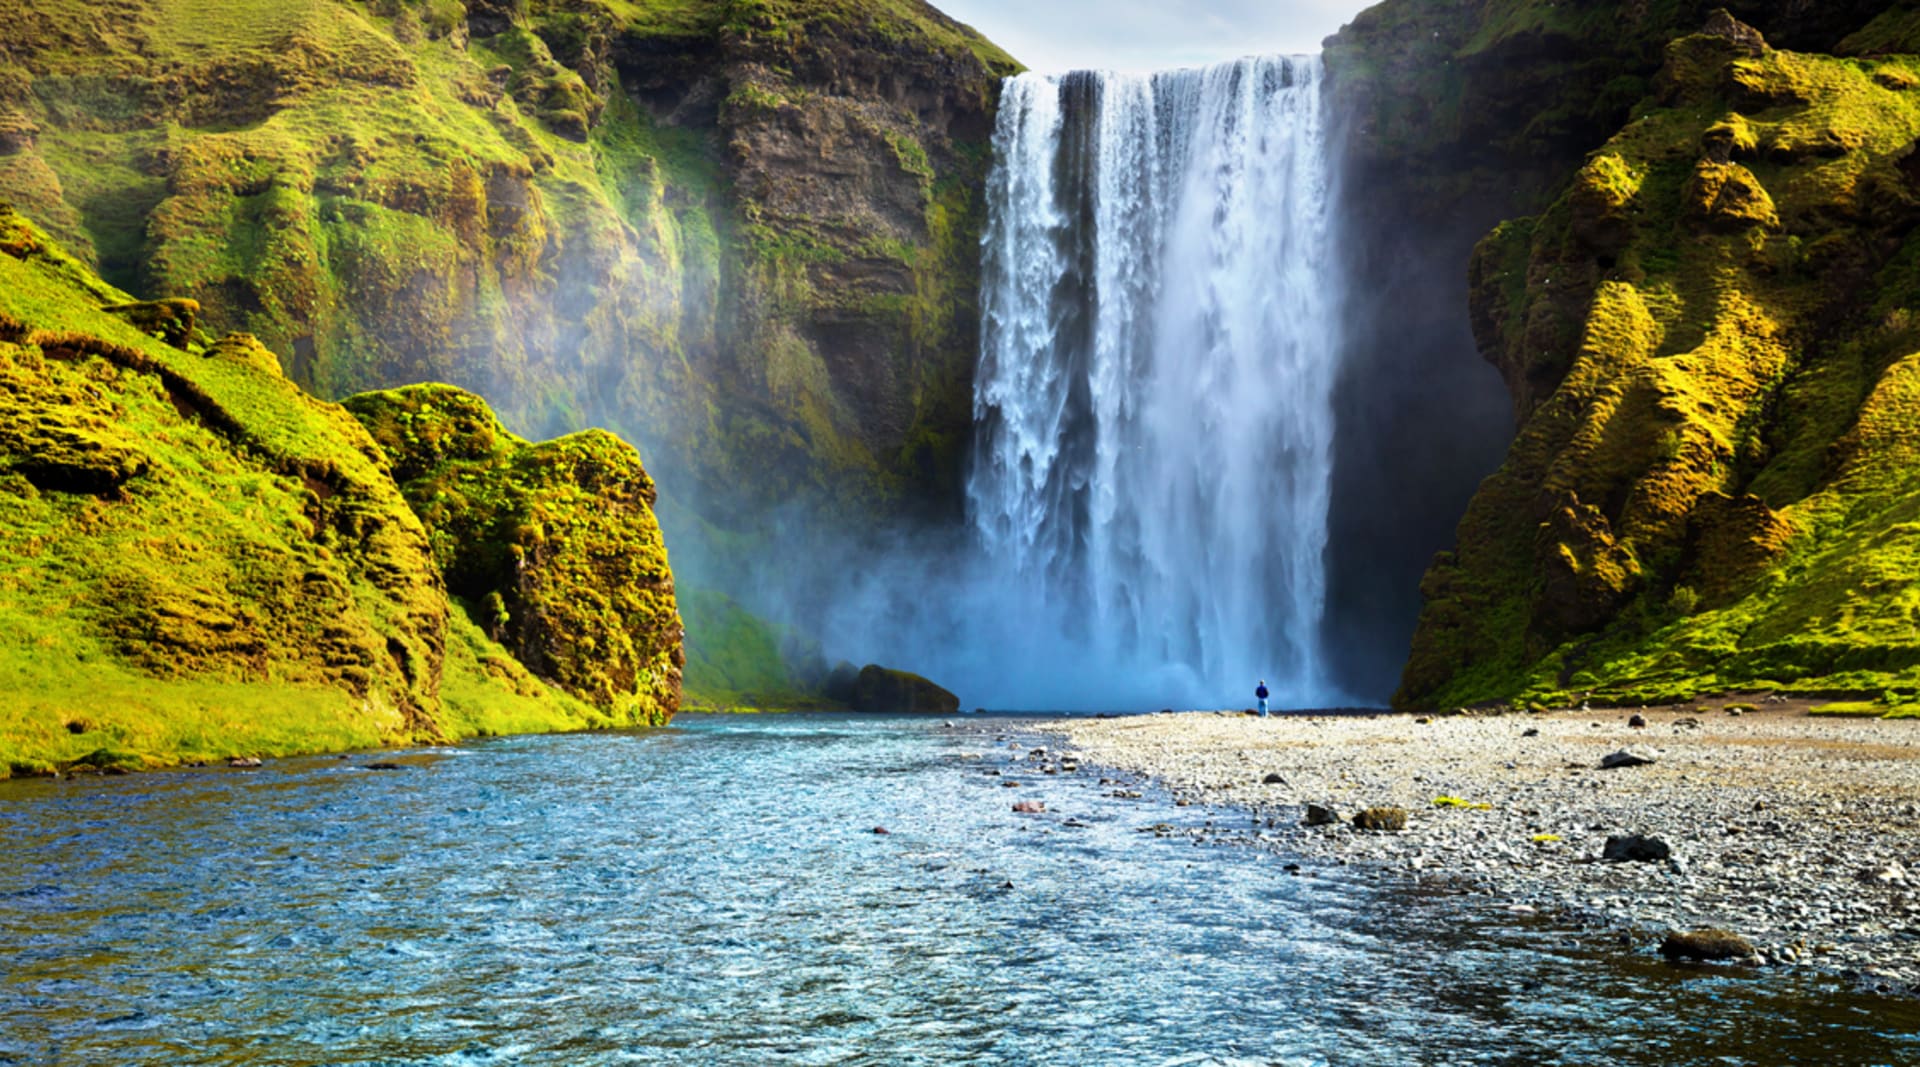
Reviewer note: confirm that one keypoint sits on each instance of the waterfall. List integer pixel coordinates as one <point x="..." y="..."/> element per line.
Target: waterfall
<point x="1153" y="403"/>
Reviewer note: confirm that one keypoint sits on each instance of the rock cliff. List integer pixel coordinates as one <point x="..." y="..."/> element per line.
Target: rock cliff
<point x="199" y="560"/>
<point x="741" y="232"/>
<point x="1700" y="317"/>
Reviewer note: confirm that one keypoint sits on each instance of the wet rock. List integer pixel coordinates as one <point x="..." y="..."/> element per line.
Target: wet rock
<point x="1635" y="848"/>
<point x="1273" y="778"/>
<point x="1319" y="816"/>
<point x="386" y="766"/>
<point x="1637" y="722"/>
<point x="1626" y="757"/>
<point x="1381" y="820"/>
<point x="1707" y="944"/>
<point x="1531" y="731"/>
<point x="879" y="689"/>
<point x="1030" y="807"/>
<point x="881" y="830"/>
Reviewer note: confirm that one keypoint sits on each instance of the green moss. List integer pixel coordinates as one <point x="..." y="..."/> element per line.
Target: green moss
<point x="1712" y="489"/>
<point x="559" y="538"/>
<point x="198" y="560"/>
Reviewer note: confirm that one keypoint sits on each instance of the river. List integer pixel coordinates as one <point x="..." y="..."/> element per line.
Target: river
<point x="716" y="893"/>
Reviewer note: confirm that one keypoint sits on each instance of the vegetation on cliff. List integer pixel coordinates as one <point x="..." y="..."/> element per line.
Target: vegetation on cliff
<point x="554" y="544"/>
<point x="199" y="560"/>
<point x="739" y="231"/>
<point x="1708" y="343"/>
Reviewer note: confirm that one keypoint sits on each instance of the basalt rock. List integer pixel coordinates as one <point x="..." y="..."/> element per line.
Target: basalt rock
<point x="879" y="689"/>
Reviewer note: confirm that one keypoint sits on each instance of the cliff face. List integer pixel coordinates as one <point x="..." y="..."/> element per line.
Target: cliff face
<point x="201" y="560"/>
<point x="741" y="231"/>
<point x="1457" y="115"/>
<point x="1704" y="341"/>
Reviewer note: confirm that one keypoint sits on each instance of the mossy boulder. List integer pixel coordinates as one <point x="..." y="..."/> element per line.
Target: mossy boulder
<point x="198" y="560"/>
<point x="554" y="544"/>
<point x="1710" y="488"/>
<point x="879" y="689"/>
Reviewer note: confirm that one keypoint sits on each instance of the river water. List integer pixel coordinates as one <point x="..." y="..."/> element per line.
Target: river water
<point x="715" y="893"/>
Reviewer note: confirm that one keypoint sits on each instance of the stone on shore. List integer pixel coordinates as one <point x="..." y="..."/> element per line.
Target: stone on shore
<point x="1381" y="820"/>
<point x="1319" y="816"/>
<point x="1635" y="848"/>
<point x="1706" y="945"/>
<point x="1626" y="757"/>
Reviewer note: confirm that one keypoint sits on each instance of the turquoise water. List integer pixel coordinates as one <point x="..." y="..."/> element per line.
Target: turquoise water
<point x="714" y="893"/>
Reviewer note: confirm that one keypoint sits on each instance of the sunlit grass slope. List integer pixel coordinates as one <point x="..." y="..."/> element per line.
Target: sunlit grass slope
<point x="199" y="560"/>
<point x="1712" y="342"/>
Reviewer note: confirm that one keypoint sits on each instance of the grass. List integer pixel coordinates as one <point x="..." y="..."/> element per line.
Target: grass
<point x="198" y="560"/>
<point x="1715" y="487"/>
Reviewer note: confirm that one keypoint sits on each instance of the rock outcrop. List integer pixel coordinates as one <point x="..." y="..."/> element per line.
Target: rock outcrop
<point x="1704" y="337"/>
<point x="198" y="561"/>
<point x="741" y="232"/>
<point x="554" y="544"/>
<point x="879" y="689"/>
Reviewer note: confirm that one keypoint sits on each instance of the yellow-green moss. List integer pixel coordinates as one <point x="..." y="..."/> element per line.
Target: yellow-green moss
<point x="556" y="541"/>
<point x="1713" y="486"/>
<point x="198" y="560"/>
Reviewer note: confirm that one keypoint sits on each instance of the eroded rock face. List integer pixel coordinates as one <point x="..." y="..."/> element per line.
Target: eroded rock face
<point x="1456" y="115"/>
<point x="742" y="234"/>
<point x="554" y="545"/>
<point x="187" y="530"/>
<point x="1667" y="318"/>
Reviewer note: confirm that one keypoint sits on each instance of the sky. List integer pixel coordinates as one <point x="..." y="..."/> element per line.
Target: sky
<point x="1142" y="35"/>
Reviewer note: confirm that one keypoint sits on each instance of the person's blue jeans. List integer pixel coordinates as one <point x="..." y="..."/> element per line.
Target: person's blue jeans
<point x="1263" y="707"/>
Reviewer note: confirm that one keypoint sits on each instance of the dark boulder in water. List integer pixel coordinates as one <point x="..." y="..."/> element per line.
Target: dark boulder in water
<point x="883" y="690"/>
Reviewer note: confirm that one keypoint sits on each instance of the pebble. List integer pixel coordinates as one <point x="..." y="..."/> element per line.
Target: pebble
<point x="1778" y="816"/>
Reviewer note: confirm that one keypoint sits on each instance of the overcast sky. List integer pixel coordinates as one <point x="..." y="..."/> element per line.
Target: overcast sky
<point x="1137" y="35"/>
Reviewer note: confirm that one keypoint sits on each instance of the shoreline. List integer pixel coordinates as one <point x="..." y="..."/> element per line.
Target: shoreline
<point x="1799" y="833"/>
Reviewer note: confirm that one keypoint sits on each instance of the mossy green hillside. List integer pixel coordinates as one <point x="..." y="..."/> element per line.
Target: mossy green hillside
<point x="1710" y="343"/>
<point x="199" y="560"/>
<point x="555" y="544"/>
<point x="739" y="231"/>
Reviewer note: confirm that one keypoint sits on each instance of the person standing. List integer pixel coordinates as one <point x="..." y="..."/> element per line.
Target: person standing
<point x="1261" y="692"/>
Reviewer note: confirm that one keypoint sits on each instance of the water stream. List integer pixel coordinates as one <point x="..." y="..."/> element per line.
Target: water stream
<point x="714" y="893"/>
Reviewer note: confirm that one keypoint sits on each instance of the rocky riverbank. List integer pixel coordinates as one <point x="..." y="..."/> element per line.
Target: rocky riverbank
<point x="1798" y="833"/>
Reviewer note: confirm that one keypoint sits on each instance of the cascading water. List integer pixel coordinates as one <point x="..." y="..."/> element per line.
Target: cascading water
<point x="1153" y="406"/>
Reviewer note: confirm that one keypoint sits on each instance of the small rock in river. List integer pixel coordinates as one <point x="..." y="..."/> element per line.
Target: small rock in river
<point x="244" y="761"/>
<point x="1531" y="731"/>
<point x="1319" y="816"/>
<point x="384" y="767"/>
<point x="1030" y="807"/>
<point x="1638" y="722"/>
<point x="1011" y="784"/>
<point x="881" y="830"/>
<point x="1273" y="778"/>
<point x="1635" y="848"/>
<point x="1381" y="819"/>
<point x="1706" y="945"/>
<point x="1626" y="757"/>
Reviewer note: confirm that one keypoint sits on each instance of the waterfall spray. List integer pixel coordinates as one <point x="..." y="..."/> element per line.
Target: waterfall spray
<point x="1153" y="404"/>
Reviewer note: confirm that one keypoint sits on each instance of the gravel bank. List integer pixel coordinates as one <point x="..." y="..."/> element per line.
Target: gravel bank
<point x="1800" y="833"/>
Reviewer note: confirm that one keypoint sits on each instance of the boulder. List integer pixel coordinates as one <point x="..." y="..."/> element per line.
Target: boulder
<point x="879" y="689"/>
<point x="1635" y="848"/>
<point x="1319" y="816"/>
<point x="1626" y="757"/>
<point x="1273" y="778"/>
<point x="1381" y="819"/>
<point x="1706" y="945"/>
